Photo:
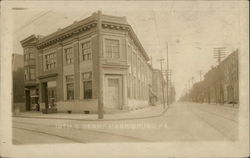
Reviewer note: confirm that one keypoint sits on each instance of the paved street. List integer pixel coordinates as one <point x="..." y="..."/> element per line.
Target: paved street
<point x="181" y="122"/>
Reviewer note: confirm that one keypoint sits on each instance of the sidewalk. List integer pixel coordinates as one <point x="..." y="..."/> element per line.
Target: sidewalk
<point x="147" y="112"/>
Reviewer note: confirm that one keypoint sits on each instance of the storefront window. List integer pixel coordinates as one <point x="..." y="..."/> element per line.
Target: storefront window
<point x="70" y="87"/>
<point x="87" y="85"/>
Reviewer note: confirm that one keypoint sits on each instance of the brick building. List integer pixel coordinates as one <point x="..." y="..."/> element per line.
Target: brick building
<point x="220" y="84"/>
<point x="64" y="69"/>
<point x="231" y="78"/>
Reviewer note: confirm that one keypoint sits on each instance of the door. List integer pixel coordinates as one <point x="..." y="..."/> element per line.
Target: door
<point x="45" y="94"/>
<point x="112" y="95"/>
<point x="52" y="97"/>
<point x="27" y="98"/>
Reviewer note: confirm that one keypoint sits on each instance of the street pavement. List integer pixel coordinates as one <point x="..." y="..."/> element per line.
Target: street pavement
<point x="148" y="111"/>
<point x="181" y="122"/>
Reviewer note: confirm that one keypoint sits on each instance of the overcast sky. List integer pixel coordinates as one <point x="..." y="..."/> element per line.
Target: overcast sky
<point x="191" y="29"/>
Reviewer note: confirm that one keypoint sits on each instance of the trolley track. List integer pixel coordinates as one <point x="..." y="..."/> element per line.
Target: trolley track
<point x="107" y="134"/>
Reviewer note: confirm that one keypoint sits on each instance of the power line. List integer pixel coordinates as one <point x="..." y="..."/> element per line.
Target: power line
<point x="219" y="53"/>
<point x="31" y="21"/>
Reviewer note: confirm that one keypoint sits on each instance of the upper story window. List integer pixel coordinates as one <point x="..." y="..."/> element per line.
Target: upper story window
<point x="26" y="57"/>
<point x="32" y="55"/>
<point x="129" y="54"/>
<point x="50" y="61"/>
<point x="32" y="74"/>
<point x="134" y="63"/>
<point x="26" y="74"/>
<point x="29" y="54"/>
<point x="69" y="55"/>
<point x="112" y="48"/>
<point x="86" y="53"/>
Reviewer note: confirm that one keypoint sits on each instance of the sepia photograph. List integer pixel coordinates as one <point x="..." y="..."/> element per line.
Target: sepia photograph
<point x="125" y="78"/>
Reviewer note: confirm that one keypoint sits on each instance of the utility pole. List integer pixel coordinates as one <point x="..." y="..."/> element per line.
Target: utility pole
<point x="169" y="95"/>
<point x="192" y="81"/>
<point x="163" y="94"/>
<point x="193" y="92"/>
<point x="167" y="70"/>
<point x="220" y="53"/>
<point x="100" y="81"/>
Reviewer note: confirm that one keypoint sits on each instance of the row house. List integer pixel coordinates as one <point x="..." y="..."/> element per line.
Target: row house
<point x="230" y="77"/>
<point x="220" y="84"/>
<point x="62" y="70"/>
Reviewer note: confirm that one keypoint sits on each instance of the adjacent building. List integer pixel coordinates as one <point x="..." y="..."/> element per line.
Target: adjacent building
<point x="18" y="98"/>
<point x="69" y="68"/>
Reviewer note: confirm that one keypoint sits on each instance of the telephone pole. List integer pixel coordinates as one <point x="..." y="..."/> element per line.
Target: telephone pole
<point x="169" y="94"/>
<point x="219" y="53"/>
<point x="163" y="94"/>
<point x="100" y="81"/>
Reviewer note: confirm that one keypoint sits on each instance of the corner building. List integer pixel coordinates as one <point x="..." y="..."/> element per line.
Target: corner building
<point x="69" y="63"/>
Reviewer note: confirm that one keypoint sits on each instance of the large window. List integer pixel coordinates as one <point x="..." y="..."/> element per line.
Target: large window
<point x="50" y="61"/>
<point x="26" y="57"/>
<point x="26" y="74"/>
<point x="68" y="55"/>
<point x="32" y="74"/>
<point x="26" y="54"/>
<point x="86" y="51"/>
<point x="129" y="54"/>
<point x="87" y="85"/>
<point x="112" y="48"/>
<point x="129" y="86"/>
<point x="134" y="63"/>
<point x="70" y="87"/>
<point x="32" y="55"/>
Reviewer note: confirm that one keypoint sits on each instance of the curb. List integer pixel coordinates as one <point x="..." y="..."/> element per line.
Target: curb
<point x="111" y="119"/>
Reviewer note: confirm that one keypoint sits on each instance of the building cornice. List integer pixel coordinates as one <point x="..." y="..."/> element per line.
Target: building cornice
<point x="29" y="41"/>
<point x="108" y="22"/>
<point x="60" y="36"/>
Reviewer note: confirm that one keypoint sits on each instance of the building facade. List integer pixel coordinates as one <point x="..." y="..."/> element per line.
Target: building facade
<point x="68" y="68"/>
<point x="220" y="84"/>
<point x="18" y="82"/>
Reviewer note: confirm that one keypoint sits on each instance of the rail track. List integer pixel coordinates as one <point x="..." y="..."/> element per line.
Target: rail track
<point x="98" y="132"/>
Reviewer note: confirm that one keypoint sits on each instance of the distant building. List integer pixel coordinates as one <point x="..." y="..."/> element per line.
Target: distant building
<point x="220" y="84"/>
<point x="18" y="82"/>
<point x="230" y="70"/>
<point x="158" y="81"/>
<point x="61" y="70"/>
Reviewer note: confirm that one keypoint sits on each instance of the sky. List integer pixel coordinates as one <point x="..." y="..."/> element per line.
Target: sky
<point x="191" y="29"/>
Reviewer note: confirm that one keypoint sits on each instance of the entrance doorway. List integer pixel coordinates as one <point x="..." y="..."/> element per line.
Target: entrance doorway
<point x="113" y="96"/>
